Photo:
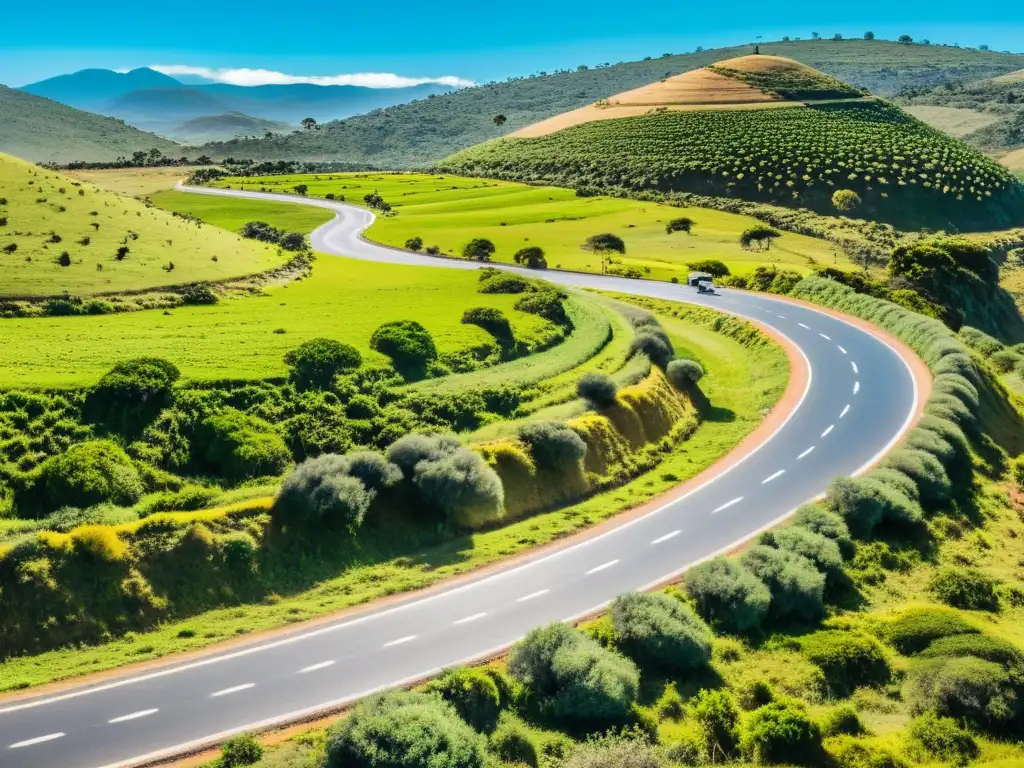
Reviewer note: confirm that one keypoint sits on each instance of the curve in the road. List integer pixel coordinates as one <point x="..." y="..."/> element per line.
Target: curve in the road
<point x="861" y="397"/>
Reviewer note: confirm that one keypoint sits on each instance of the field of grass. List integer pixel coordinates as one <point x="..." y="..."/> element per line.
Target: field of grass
<point x="135" y="182"/>
<point x="449" y="211"/>
<point x="232" y="214"/>
<point x="746" y="381"/>
<point x="59" y="235"/>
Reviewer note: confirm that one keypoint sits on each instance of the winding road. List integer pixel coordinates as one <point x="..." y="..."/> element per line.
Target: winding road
<point x="859" y="399"/>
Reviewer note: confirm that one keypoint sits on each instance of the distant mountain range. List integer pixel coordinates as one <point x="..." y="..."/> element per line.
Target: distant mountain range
<point x="199" y="130"/>
<point x="152" y="101"/>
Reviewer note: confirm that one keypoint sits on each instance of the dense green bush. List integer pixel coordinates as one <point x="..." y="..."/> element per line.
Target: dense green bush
<point x="819" y="519"/>
<point x="547" y="304"/>
<point x="659" y="630"/>
<point x="553" y="446"/>
<point x="823" y="553"/>
<point x="243" y="749"/>
<point x="713" y="267"/>
<point x="943" y="738"/>
<point x="987" y="647"/>
<point x="781" y="733"/>
<point x="797" y="589"/>
<point x="615" y="751"/>
<point x="478" y="249"/>
<point x="402" y="729"/>
<point x="406" y="342"/>
<point x="321" y="492"/>
<point x="373" y="469"/>
<point x="925" y="470"/>
<point x="461" y="488"/>
<point x="865" y="502"/>
<point x="848" y="659"/>
<point x="717" y="719"/>
<point x="315" y="363"/>
<point x="963" y="687"/>
<point x="512" y="742"/>
<point x="842" y="721"/>
<point x="491" y="320"/>
<point x="88" y="473"/>
<point x="472" y="693"/>
<point x="575" y="679"/>
<point x="407" y="452"/>
<point x="658" y="350"/>
<point x="963" y="587"/>
<point x="237" y="446"/>
<point x="503" y="282"/>
<point x="531" y="256"/>
<point x="850" y="752"/>
<point x="138" y="383"/>
<point x="914" y="630"/>
<point x="728" y="596"/>
<point x="683" y="374"/>
<point x="599" y="389"/>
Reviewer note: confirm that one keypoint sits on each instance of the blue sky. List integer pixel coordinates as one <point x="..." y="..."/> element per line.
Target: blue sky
<point x="462" y="38"/>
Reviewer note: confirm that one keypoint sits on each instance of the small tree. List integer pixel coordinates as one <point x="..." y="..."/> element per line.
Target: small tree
<point x="315" y="363"/>
<point x="846" y="200"/>
<point x="309" y="123"/>
<point x="682" y="224"/>
<point x="478" y="249"/>
<point x="603" y="245"/>
<point x="531" y="256"/>
<point x="906" y="39"/>
<point x="499" y="121"/>
<point x="301" y="189"/>
<point x="761" y="234"/>
<point x="65" y="259"/>
<point x="414" y="244"/>
<point x="869" y="35"/>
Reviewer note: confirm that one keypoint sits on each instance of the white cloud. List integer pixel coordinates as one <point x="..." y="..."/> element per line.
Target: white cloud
<point x="270" y="77"/>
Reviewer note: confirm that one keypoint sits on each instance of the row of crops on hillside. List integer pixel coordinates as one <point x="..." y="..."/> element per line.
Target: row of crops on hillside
<point x="796" y="156"/>
<point x="795" y="85"/>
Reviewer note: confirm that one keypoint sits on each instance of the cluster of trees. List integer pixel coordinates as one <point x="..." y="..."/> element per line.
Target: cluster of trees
<point x="264" y="232"/>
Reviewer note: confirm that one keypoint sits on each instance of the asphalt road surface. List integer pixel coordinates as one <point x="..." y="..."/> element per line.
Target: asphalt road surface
<point x="860" y="398"/>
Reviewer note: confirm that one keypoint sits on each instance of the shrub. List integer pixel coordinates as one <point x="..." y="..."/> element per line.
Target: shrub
<point x="845" y="200"/>
<point x="682" y="224"/>
<point x="372" y="469"/>
<point x="199" y="294"/>
<point x="414" y="244"/>
<point x="315" y="363"/>
<point x="243" y="749"/>
<point x="531" y="256"/>
<point x="865" y="502"/>
<point x="553" y="445"/>
<point x="491" y="320"/>
<point x="713" y="267"/>
<point x="461" y="488"/>
<point x="1017" y="472"/>
<point x="967" y="688"/>
<point x="472" y="693"/>
<point x="406" y="342"/>
<point x="661" y="631"/>
<point x="848" y="659"/>
<point x="321" y="492"/>
<point x="797" y="589"/>
<point x="717" y="718"/>
<point x="598" y="389"/>
<point x="504" y="283"/>
<point x="658" y="350"/>
<point x="820" y="550"/>
<point x="986" y="647"/>
<point x="410" y="450"/>
<point x="848" y="752"/>
<point x="511" y="741"/>
<point x="404" y="729"/>
<point x="943" y="738"/>
<point x="614" y="751"/>
<point x="294" y="241"/>
<point x="815" y="517"/>
<point x="915" y="629"/>
<point x="136" y="384"/>
<point x="547" y="304"/>
<point x="842" y="721"/>
<point x="574" y="678"/>
<point x="683" y="374"/>
<point x="728" y="596"/>
<point x="478" y="249"/>
<point x="89" y="473"/>
<point x="237" y="445"/>
<point x="781" y="733"/>
<point x="966" y="588"/>
<point x="925" y="470"/>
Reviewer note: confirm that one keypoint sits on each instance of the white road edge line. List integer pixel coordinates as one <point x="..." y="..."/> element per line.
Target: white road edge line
<point x="133" y="716"/>
<point x="826" y="338"/>
<point x="846" y="410"/>
<point x="233" y="689"/>
<point x="401" y="641"/>
<point x="601" y="567"/>
<point x="468" y="619"/>
<point x="727" y="504"/>
<point x="666" y="537"/>
<point x="830" y="428"/>
<point x="315" y="667"/>
<point x="768" y="479"/>
<point x="37" y="740"/>
<point x="841" y="349"/>
<point x="856" y="387"/>
<point x="805" y="453"/>
<point x="854" y="366"/>
<point x="804" y="326"/>
<point x="532" y="595"/>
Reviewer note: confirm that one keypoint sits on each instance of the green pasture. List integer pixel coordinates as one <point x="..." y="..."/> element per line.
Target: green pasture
<point x="448" y="211"/>
<point x="58" y="235"/>
<point x="232" y="214"/>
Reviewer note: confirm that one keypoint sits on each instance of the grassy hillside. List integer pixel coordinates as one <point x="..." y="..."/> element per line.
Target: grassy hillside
<point x="416" y="134"/>
<point x="41" y="130"/>
<point x="199" y="130"/>
<point x="58" y="235"/>
<point x="447" y="212"/>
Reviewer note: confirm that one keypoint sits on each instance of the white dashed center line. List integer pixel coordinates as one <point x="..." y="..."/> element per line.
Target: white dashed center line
<point x="856" y="387"/>
<point x="826" y="338"/>
<point x="768" y="479"/>
<point x="804" y="326"/>
<point x="37" y="740"/>
<point x="666" y="537"/>
<point x="532" y="595"/>
<point x="601" y="567"/>
<point x="134" y="716"/>
<point x="846" y="410"/>
<point x="235" y="689"/>
<point x="854" y="366"/>
<point x="315" y="667"/>
<point x="401" y="641"/>
<point x="781" y="317"/>
<point x="727" y="504"/>
<point x="805" y="452"/>
<point x="830" y="428"/>
<point x="468" y="619"/>
<point x="841" y="349"/>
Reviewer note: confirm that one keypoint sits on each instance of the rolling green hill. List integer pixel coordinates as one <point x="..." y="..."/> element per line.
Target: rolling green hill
<point x="424" y="131"/>
<point x="797" y="153"/>
<point x="41" y="130"/>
